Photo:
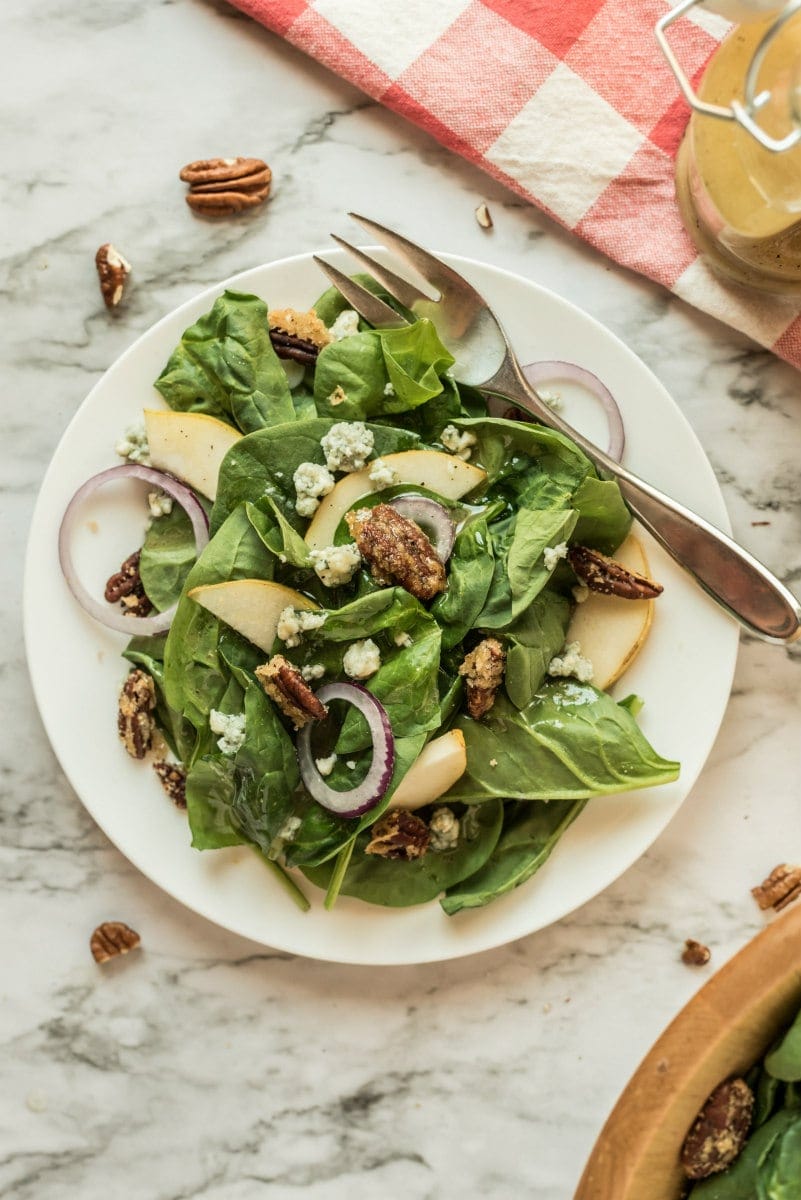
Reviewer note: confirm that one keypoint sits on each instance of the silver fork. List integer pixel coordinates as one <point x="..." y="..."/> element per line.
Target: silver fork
<point x="485" y="360"/>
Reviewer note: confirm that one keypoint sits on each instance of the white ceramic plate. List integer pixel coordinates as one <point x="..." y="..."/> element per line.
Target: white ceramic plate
<point x="684" y="672"/>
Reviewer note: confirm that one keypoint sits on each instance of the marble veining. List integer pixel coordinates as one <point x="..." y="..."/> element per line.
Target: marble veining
<point x="202" y="1065"/>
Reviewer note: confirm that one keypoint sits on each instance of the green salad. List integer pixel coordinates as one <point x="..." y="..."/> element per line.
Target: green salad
<point x="366" y="674"/>
<point x="746" y="1142"/>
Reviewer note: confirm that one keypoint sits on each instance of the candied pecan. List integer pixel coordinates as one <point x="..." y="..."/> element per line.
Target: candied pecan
<point x="172" y="777"/>
<point x="135" y="722"/>
<point x="219" y="187"/>
<point x="781" y="887"/>
<point x="284" y="684"/>
<point x="603" y="574"/>
<point x="111" y="939"/>
<point x="695" y="954"/>
<point x="126" y="587"/>
<point x="113" y="271"/>
<point x="719" y="1131"/>
<point x="397" y="550"/>
<point x="399" y="834"/>
<point x="483" y="673"/>
<point x="297" y="335"/>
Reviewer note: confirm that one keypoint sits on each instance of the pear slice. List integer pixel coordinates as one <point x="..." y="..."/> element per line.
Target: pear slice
<point x="446" y="474"/>
<point x="441" y="762"/>
<point x="191" y="446"/>
<point x="250" y="606"/>
<point x="612" y="631"/>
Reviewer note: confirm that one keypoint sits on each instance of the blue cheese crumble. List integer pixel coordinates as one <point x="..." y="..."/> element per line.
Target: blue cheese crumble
<point x="571" y="662"/>
<point x="362" y="659"/>
<point x="336" y="565"/>
<point x="232" y="728"/>
<point x="382" y="475"/>
<point x="458" y="443"/>
<point x="345" y="325"/>
<point x="402" y="639"/>
<point x="347" y="446"/>
<point x="312" y="671"/>
<point x="312" y="481"/>
<point x="294" y="622"/>
<point x="159" y="503"/>
<point x="444" y="829"/>
<point x="326" y="765"/>
<point x="552" y="554"/>
<point x="133" y="445"/>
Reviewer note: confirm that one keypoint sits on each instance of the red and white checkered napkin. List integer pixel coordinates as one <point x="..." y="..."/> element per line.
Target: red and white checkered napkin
<point x="568" y="102"/>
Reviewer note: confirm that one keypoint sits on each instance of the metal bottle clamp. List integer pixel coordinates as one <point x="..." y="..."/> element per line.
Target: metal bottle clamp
<point x="743" y="113"/>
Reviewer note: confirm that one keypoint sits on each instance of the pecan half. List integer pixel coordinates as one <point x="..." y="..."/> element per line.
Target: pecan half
<point x="126" y="586"/>
<point x="695" y="954"/>
<point x="397" y="550"/>
<point x="603" y="574"/>
<point x="297" y="335"/>
<point x="483" y="674"/>
<point x="399" y="834"/>
<point x="219" y="187"/>
<point x="111" y="939"/>
<point x="719" y="1131"/>
<point x="781" y="887"/>
<point x="112" y="271"/>
<point x="284" y="684"/>
<point x="135" y="722"/>
<point x="172" y="778"/>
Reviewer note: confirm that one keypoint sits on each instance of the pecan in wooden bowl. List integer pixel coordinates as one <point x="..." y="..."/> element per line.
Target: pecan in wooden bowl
<point x="689" y="1115"/>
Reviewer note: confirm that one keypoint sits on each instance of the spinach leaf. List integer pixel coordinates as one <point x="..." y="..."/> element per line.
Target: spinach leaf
<point x="531" y="642"/>
<point x="353" y="366"/>
<point x="784" y="1060"/>
<point x="225" y="365"/>
<point x="210" y="790"/>
<point x="779" y="1176"/>
<point x="264" y="463"/>
<point x="398" y="884"/>
<point x="167" y="557"/>
<point x="380" y="372"/>
<point x="530" y="831"/>
<point x="534" y="531"/>
<point x="470" y="571"/>
<point x="194" y="677"/>
<point x="603" y="520"/>
<point x="571" y="742"/>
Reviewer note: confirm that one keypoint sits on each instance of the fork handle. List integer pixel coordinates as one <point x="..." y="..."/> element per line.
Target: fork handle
<point x="727" y="572"/>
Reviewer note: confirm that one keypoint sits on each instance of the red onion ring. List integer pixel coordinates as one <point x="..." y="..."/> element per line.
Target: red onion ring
<point x="432" y="517"/>
<point x="547" y="371"/>
<point x="373" y="787"/>
<point x="101" y="610"/>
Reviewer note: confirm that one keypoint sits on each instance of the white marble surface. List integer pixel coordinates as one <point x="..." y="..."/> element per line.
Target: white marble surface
<point x="205" y="1065"/>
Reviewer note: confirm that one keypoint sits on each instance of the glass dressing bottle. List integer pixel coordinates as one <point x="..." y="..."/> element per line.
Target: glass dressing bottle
<point x="738" y="171"/>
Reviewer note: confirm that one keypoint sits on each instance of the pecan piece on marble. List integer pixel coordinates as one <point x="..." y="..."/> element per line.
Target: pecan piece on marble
<point x="172" y="778"/>
<point x="695" y="954"/>
<point x="719" y="1131"/>
<point x="135" y="723"/>
<point x="111" y="939"/>
<point x="284" y="684"/>
<point x="602" y="574"/>
<point x="483" y="674"/>
<point x="297" y="335"/>
<point x="219" y="187"/>
<point x="399" y="834"/>
<point x="125" y="586"/>
<point x="112" y="271"/>
<point x="396" y="549"/>
<point x="781" y="887"/>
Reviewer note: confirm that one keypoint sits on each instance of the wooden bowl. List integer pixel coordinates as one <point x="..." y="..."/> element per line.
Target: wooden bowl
<point x="723" y="1031"/>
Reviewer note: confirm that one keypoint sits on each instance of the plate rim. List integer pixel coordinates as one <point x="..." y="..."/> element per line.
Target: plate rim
<point x="457" y="950"/>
